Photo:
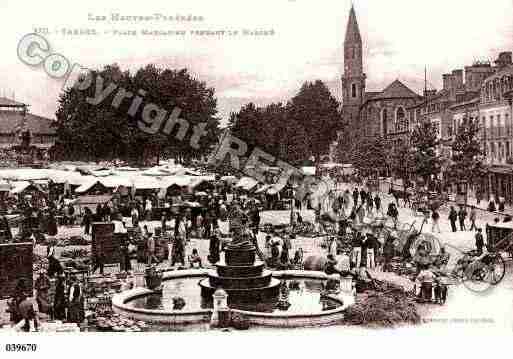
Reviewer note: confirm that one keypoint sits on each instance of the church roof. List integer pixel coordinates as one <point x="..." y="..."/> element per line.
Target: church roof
<point x="352" y="30"/>
<point x="10" y="121"/>
<point x="396" y="90"/>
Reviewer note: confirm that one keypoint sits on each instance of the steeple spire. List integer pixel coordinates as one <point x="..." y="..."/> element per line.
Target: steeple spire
<point x="352" y="30"/>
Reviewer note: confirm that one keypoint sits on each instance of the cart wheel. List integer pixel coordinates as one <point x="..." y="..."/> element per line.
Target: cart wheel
<point x="497" y="269"/>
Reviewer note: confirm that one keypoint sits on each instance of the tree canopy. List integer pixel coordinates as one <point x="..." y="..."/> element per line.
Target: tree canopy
<point x="109" y="129"/>
<point x="467" y="156"/>
<point x="298" y="130"/>
<point x="426" y="159"/>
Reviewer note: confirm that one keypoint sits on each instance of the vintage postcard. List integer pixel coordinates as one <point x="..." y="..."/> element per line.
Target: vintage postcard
<point x="260" y="166"/>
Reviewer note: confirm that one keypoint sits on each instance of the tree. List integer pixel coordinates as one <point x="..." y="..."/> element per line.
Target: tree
<point x="467" y="156"/>
<point x="105" y="131"/>
<point x="368" y="156"/>
<point x="400" y="160"/>
<point x="316" y="111"/>
<point x="425" y="142"/>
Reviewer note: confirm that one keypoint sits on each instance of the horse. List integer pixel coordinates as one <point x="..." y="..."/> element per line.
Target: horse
<point x="401" y="194"/>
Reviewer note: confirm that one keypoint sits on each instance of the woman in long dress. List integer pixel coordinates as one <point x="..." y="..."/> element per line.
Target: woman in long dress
<point x="59" y="302"/>
<point x="178" y="250"/>
<point x="214" y="245"/>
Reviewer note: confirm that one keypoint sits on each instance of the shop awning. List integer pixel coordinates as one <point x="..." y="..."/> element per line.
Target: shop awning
<point x="246" y="183"/>
<point x="87" y="186"/>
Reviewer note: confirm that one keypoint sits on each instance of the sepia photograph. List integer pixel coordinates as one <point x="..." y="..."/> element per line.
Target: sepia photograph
<point x="202" y="168"/>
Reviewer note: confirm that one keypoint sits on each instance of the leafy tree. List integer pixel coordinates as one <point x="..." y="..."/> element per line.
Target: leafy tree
<point x="104" y="131"/>
<point x="425" y="142"/>
<point x="316" y="111"/>
<point x="368" y="156"/>
<point x="400" y="160"/>
<point x="467" y="156"/>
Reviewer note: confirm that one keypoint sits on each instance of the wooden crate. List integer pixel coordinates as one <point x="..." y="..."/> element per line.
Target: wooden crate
<point x="105" y="243"/>
<point x="15" y="264"/>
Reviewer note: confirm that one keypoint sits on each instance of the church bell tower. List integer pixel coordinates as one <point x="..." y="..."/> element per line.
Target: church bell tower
<point x="353" y="79"/>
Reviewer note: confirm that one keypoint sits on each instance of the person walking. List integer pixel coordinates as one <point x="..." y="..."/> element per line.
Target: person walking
<point x="356" y="194"/>
<point x="462" y="214"/>
<point x="361" y="213"/>
<point x="363" y="197"/>
<point x="453" y="216"/>
<point x="86" y="221"/>
<point x="479" y="241"/>
<point x="472" y="218"/>
<point x="347" y="199"/>
<point x="377" y="203"/>
<point x="370" y="245"/>
<point x="370" y="205"/>
<point x="435" y="219"/>
<point x="125" y="264"/>
<point x="357" y="249"/>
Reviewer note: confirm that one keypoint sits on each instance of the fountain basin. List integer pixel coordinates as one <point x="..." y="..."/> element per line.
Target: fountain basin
<point x="305" y="311"/>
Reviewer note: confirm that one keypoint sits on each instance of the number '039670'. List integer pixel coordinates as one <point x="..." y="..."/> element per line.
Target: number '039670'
<point x="20" y="347"/>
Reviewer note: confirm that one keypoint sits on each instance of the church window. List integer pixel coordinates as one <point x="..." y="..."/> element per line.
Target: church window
<point x="384" y="121"/>
<point x="400" y="119"/>
<point x="353" y="90"/>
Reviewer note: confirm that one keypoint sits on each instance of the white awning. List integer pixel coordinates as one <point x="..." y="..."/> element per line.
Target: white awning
<point x="87" y="186"/>
<point x="277" y="187"/>
<point x="246" y="183"/>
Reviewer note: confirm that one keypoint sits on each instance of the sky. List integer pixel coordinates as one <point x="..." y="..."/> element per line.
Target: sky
<point x="401" y="38"/>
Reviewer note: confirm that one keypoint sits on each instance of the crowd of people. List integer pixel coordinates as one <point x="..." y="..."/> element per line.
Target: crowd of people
<point x="183" y="216"/>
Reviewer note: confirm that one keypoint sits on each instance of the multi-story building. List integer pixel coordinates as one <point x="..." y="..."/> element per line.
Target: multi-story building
<point x="496" y="119"/>
<point x="495" y="112"/>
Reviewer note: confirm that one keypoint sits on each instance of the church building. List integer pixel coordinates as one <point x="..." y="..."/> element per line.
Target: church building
<point x="366" y="113"/>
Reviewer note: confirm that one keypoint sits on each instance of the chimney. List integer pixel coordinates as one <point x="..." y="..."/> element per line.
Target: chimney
<point x="457" y="76"/>
<point x="447" y="79"/>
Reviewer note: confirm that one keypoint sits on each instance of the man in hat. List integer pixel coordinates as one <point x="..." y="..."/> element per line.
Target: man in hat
<point x="371" y="245"/>
<point x="479" y="241"/>
<point x="357" y="249"/>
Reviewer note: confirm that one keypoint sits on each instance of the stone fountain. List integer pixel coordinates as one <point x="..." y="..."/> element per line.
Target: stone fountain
<point x="242" y="277"/>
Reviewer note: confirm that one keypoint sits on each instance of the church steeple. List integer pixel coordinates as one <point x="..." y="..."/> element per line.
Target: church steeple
<point x="352" y="31"/>
<point x="353" y="79"/>
<point x="353" y="63"/>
